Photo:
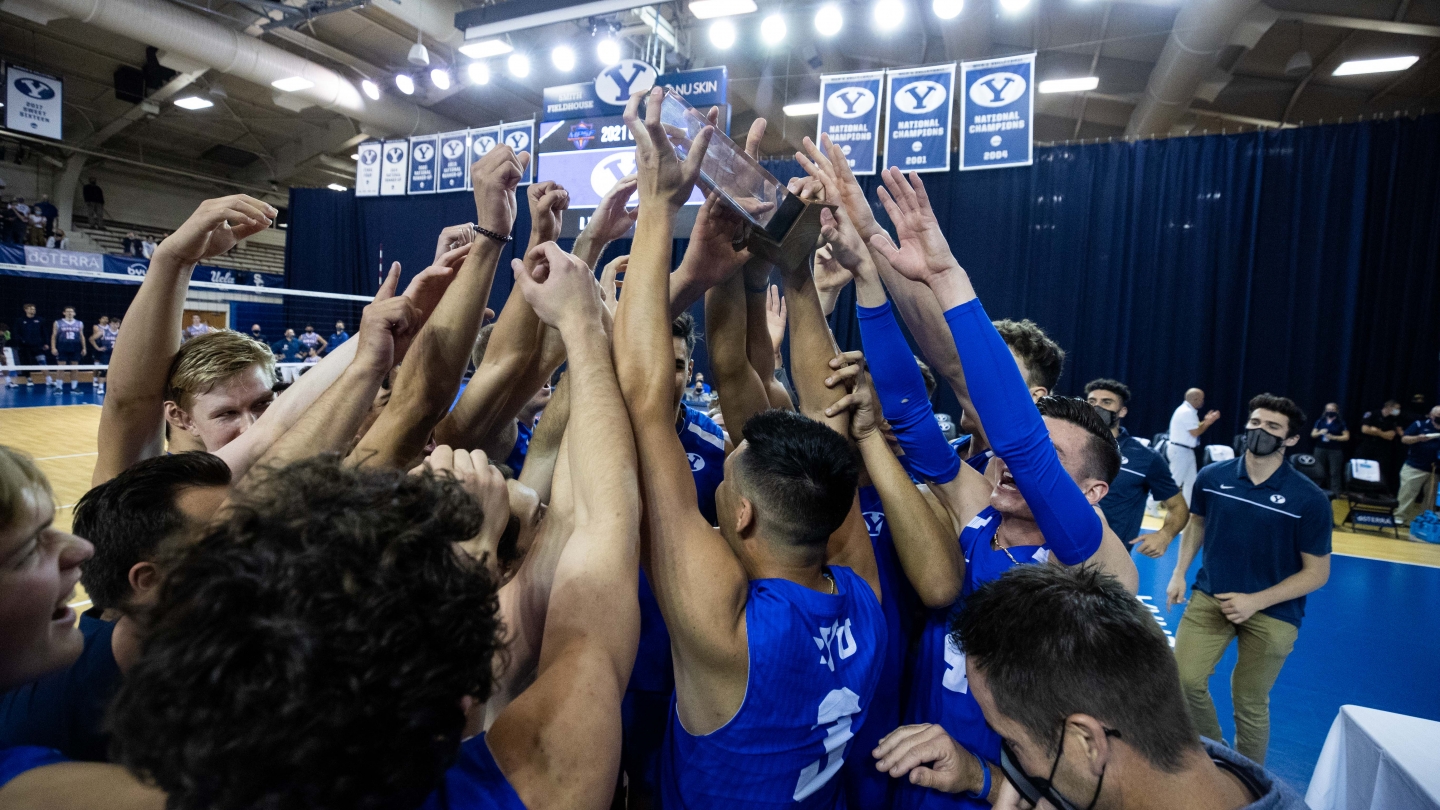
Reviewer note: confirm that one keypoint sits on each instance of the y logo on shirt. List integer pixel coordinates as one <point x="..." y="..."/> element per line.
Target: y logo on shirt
<point x="1277" y="498"/>
<point x="696" y="462"/>
<point x="874" y="523"/>
<point x="838" y="637"/>
<point x="954" y="678"/>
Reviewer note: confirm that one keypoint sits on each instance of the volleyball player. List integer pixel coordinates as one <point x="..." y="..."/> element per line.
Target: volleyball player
<point x="196" y="328"/>
<point x="102" y="342"/>
<point x="312" y="341"/>
<point x="67" y="343"/>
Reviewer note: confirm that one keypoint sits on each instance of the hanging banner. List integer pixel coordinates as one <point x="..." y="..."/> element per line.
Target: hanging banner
<point x="481" y="142"/>
<point x="918" y="106"/>
<point x="850" y="115"/>
<point x="520" y="136"/>
<point x="394" y="168"/>
<point x="453" y="171"/>
<point x="367" y="169"/>
<point x="997" y="107"/>
<point x="608" y="94"/>
<point x="423" y="157"/>
<point x="33" y="102"/>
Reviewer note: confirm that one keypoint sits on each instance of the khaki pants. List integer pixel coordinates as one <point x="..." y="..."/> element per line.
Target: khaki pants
<point x="1265" y="642"/>
<point x="1413" y="482"/>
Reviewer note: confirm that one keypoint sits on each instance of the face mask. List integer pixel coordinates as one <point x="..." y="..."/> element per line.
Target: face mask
<point x="1260" y="443"/>
<point x="1108" y="417"/>
<point x="1331" y="414"/>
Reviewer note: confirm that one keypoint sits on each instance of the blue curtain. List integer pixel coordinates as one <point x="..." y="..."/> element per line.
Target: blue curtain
<point x="1304" y="262"/>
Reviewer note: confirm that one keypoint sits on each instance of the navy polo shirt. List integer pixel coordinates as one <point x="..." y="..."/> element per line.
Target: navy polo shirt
<point x="1422" y="454"/>
<point x="1255" y="534"/>
<point x="1329" y="428"/>
<point x="1142" y="473"/>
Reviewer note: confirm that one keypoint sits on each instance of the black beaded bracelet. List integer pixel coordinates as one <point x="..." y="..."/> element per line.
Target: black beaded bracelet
<point x="497" y="237"/>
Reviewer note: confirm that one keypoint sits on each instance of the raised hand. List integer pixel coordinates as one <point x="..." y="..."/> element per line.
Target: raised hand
<point x="664" y="180"/>
<point x="485" y="483"/>
<point x="495" y="177"/>
<point x="846" y="246"/>
<point x="428" y="286"/>
<point x="548" y="201"/>
<point x="775" y="315"/>
<point x="827" y="163"/>
<point x="453" y="237"/>
<point x="611" y="219"/>
<point x="830" y="275"/>
<point x="386" y="329"/>
<point x="850" y="373"/>
<point x="923" y="253"/>
<point x="215" y="227"/>
<point x="559" y="287"/>
<point x="609" y="281"/>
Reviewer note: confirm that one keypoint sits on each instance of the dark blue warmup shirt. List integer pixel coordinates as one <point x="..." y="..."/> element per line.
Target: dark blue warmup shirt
<point x="1142" y="473"/>
<point x="65" y="710"/>
<point x="31" y="333"/>
<point x="1254" y="535"/>
<point x="1421" y="455"/>
<point x="474" y="782"/>
<point x="1329" y="428"/>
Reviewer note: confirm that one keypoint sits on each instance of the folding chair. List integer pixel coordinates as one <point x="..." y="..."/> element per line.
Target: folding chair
<point x="1309" y="466"/>
<point x="1218" y="452"/>
<point x="1370" y="504"/>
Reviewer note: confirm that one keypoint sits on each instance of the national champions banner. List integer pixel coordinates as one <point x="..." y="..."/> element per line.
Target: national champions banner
<point x="482" y="140"/>
<point x="33" y="102"/>
<point x="423" y="158"/>
<point x="850" y="115"/>
<point x="918" y="107"/>
<point x="453" y="170"/>
<point x="997" y="110"/>
<point x="394" y="165"/>
<point x="367" y="169"/>
<point x="520" y="137"/>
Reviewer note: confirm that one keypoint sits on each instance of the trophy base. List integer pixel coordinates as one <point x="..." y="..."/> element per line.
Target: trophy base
<point x="792" y="249"/>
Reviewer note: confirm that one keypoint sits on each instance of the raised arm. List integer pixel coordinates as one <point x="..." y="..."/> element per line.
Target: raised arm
<point x="425" y="387"/>
<point x="741" y="389"/>
<point x="132" y="422"/>
<point x="610" y="221"/>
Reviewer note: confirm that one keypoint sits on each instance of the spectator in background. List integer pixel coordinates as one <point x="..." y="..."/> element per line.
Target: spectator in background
<point x="7" y="356"/>
<point x="196" y="328"/>
<point x="311" y="340"/>
<point x="21" y="208"/>
<point x="130" y="245"/>
<point x="1185" y="429"/>
<point x="147" y="246"/>
<point x="1142" y="474"/>
<point x="1422" y="439"/>
<point x="36" y="232"/>
<point x="15" y="221"/>
<point x="94" y="198"/>
<point x="288" y="350"/>
<point x="258" y="334"/>
<point x="58" y="240"/>
<point x="48" y="212"/>
<point x="31" y="340"/>
<point x="1330" y="434"/>
<point x="311" y="358"/>
<point x="339" y="337"/>
<point x="1382" y="430"/>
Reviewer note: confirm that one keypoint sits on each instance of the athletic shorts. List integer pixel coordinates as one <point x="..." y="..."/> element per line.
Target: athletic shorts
<point x="68" y="354"/>
<point x="102" y="358"/>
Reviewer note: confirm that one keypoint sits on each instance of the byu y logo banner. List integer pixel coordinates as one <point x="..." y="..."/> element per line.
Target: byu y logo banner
<point x="33" y="102"/>
<point x="481" y="142"/>
<point x="997" y="108"/>
<point x="452" y="166"/>
<point x="617" y="83"/>
<point x="520" y="136"/>
<point x="394" y="167"/>
<point x="850" y="115"/>
<point x="367" y="169"/>
<point x="423" y="155"/>
<point x="917" y="118"/>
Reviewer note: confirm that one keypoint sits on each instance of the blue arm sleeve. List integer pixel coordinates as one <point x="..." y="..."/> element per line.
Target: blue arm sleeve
<point x="903" y="399"/>
<point x="1071" y="528"/>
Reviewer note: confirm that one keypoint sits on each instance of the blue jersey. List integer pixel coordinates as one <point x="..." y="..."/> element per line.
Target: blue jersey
<point x="704" y="444"/>
<point x="941" y="691"/>
<point x="474" y="782"/>
<point x="15" y="760"/>
<point x="866" y="787"/>
<point x="523" y="434"/>
<point x="69" y="333"/>
<point x="108" y="334"/>
<point x="815" y="659"/>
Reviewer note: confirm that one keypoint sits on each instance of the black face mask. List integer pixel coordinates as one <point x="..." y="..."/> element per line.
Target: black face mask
<point x="1110" y="418"/>
<point x="1260" y="443"/>
<point x="1331" y="414"/>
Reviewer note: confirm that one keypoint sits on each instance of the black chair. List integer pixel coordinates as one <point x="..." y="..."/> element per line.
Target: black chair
<point x="1368" y="497"/>
<point x="1309" y="466"/>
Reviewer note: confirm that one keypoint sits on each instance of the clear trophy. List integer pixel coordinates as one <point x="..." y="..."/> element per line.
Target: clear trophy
<point x="783" y="228"/>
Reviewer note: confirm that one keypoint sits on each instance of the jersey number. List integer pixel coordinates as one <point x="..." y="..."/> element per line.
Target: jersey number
<point x="954" y="678"/>
<point x="836" y="711"/>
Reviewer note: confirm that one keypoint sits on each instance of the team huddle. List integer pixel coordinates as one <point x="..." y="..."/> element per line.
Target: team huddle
<point x="369" y="592"/>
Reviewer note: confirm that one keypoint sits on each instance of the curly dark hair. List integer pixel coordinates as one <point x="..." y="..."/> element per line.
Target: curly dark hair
<point x="801" y="475"/>
<point x="1103" y="461"/>
<point x="1113" y="386"/>
<point x="684" y="327"/>
<point x="1043" y="357"/>
<point x="1283" y="405"/>
<point x="313" y="650"/>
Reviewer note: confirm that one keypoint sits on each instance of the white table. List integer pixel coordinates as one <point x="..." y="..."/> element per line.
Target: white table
<point x="1374" y="760"/>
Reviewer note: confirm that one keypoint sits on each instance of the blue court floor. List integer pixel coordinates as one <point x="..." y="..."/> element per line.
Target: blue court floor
<point x="24" y="397"/>
<point x="1369" y="638"/>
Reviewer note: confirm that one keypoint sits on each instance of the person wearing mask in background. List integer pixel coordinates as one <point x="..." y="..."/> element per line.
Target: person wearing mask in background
<point x="288" y="350"/>
<point x="257" y="334"/>
<point x="31" y="342"/>
<point x="1142" y="474"/>
<point x="94" y="198"/>
<point x="1185" y="429"/>
<point x="339" y="337"/>
<point x="1422" y="441"/>
<point x="1265" y="532"/>
<point x="58" y="240"/>
<point x="1330" y="434"/>
<point x="48" y="212"/>
<point x="1381" y="430"/>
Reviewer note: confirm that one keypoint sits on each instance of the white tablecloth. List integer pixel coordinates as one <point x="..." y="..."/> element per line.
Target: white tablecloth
<point x="1374" y="760"/>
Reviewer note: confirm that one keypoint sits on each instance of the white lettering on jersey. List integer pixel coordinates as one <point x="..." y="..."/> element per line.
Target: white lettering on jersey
<point x="954" y="678"/>
<point x="836" y="710"/>
<point x="840" y="637"/>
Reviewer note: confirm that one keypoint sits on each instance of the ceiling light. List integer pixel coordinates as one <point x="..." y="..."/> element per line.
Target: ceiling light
<point x="722" y="34"/>
<point x="371" y="89"/>
<point x="486" y="48"/>
<point x="354" y="155"/>
<point x="888" y="14"/>
<point x="405" y="83"/>
<point x="1079" y="85"/>
<point x="1356" y="67"/>
<point x="418" y="56"/>
<point x="608" y="50"/>
<point x="440" y="77"/>
<point x="479" y="72"/>
<point x="772" y="29"/>
<point x="519" y="65"/>
<point x="948" y="9"/>
<point x="829" y="21"/>
<point x="1014" y="6"/>
<point x="290" y="84"/>
<point x="802" y="109"/>
<point x="563" y="57"/>
<point x="193" y="103"/>
<point x="337" y="187"/>
<point x="707" y="9"/>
